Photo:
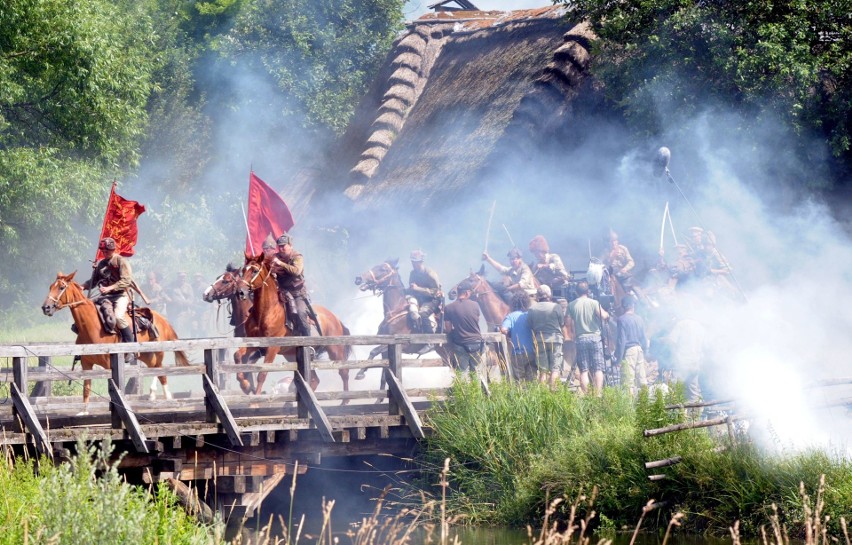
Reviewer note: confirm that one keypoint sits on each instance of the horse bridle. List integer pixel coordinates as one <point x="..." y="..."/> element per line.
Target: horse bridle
<point x="57" y="301"/>
<point x="475" y="293"/>
<point x="236" y="279"/>
<point x="249" y="284"/>
<point x="374" y="283"/>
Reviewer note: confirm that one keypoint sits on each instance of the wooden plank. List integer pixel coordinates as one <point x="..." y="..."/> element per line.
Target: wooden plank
<point x="188" y="498"/>
<point x="128" y="417"/>
<point x="253" y="500"/>
<point x="31" y="423"/>
<point x="691" y="425"/>
<point x="303" y="368"/>
<point x="43" y="388"/>
<point x="306" y="397"/>
<point x="695" y="405"/>
<point x="222" y="412"/>
<point x="70" y="349"/>
<point x="19" y="374"/>
<point x="393" y="369"/>
<point x="408" y="410"/>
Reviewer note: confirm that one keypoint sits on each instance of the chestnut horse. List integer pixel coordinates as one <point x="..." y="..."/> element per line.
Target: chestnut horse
<point x="64" y="292"/>
<point x="228" y="285"/>
<point x="384" y="280"/>
<point x="267" y="318"/>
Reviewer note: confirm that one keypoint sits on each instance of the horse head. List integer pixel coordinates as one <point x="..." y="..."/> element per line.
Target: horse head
<point x="254" y="274"/>
<point x="56" y="296"/>
<point x="476" y="280"/>
<point x="379" y="277"/>
<point x="226" y="285"/>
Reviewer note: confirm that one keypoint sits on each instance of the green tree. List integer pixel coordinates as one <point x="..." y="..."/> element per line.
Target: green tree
<point x="320" y="53"/>
<point x="789" y="59"/>
<point x="75" y="76"/>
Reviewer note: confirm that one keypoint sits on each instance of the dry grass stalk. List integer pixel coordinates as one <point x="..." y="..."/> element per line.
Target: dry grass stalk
<point x="645" y="510"/>
<point x="735" y="533"/>
<point x="675" y="521"/>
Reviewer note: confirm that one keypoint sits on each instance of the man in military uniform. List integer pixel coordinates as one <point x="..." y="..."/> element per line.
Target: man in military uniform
<point x="424" y="294"/>
<point x="516" y="278"/>
<point x="269" y="247"/>
<point x="619" y="261"/>
<point x="548" y="268"/>
<point x="289" y="269"/>
<point x="698" y="251"/>
<point x="112" y="277"/>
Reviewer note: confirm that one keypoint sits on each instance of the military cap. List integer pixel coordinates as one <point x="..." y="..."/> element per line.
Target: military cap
<point x="418" y="255"/>
<point x="696" y="229"/>
<point x="283" y="239"/>
<point x="465" y="285"/>
<point x="515" y="253"/>
<point x="107" y="244"/>
<point x="268" y="245"/>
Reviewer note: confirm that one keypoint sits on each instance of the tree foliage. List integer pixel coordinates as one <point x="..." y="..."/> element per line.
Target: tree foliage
<point x="789" y="59"/>
<point x="320" y="53"/>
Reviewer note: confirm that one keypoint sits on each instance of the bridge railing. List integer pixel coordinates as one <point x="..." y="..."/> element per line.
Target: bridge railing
<point x="214" y="371"/>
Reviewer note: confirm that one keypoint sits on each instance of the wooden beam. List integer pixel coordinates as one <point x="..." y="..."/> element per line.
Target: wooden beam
<point x="393" y="369"/>
<point x="398" y="394"/>
<point x="306" y="397"/>
<point x="664" y="463"/>
<point x="691" y="425"/>
<point x="188" y="498"/>
<point x="31" y="423"/>
<point x="252" y="500"/>
<point x="219" y="408"/>
<point x="120" y="407"/>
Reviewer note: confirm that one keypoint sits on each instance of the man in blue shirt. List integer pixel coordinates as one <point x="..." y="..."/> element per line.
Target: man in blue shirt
<point x="630" y="346"/>
<point x="516" y="327"/>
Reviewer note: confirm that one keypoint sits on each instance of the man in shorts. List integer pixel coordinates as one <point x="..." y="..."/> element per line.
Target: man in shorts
<point x="546" y="319"/>
<point x="588" y="317"/>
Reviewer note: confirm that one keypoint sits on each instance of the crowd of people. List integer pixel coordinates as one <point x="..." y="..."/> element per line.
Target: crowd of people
<point x="551" y="314"/>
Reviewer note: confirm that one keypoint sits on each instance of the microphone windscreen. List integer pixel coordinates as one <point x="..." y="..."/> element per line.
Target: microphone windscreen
<point x="661" y="162"/>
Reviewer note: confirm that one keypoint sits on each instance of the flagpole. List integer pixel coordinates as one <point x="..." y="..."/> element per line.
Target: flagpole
<point x="106" y="215"/>
<point x="248" y="233"/>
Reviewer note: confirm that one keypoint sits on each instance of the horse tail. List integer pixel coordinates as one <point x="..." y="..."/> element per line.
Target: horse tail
<point x="168" y="333"/>
<point x="181" y="359"/>
<point x="347" y="352"/>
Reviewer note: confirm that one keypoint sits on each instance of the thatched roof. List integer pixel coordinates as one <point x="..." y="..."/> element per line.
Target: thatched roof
<point x="459" y="90"/>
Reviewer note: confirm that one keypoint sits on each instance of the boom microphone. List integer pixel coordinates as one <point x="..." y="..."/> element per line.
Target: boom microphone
<point x="661" y="161"/>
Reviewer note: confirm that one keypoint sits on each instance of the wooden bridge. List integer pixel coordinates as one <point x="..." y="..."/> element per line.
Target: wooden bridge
<point x="233" y="447"/>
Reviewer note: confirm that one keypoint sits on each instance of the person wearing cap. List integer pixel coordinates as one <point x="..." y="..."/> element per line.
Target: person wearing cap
<point x="424" y="294"/>
<point x="516" y="277"/>
<point x="288" y="266"/>
<point x="269" y="247"/>
<point x="112" y="277"/>
<point x="619" y="260"/>
<point x="548" y="268"/>
<point x="546" y="319"/>
<point x="516" y="327"/>
<point x="588" y="317"/>
<point x="461" y="322"/>
<point x="683" y="268"/>
<point x="630" y="346"/>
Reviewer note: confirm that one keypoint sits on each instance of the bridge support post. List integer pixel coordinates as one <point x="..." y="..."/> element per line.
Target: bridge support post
<point x="394" y="369"/>
<point x="43" y="388"/>
<point x="116" y="365"/>
<point x="303" y="366"/>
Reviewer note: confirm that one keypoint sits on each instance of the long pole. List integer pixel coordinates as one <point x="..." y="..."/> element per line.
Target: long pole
<point x="663" y="225"/>
<point x="488" y="231"/>
<point x="248" y="233"/>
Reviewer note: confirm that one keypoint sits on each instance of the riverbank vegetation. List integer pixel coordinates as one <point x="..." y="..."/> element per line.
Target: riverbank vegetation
<point x="87" y="501"/>
<point x="515" y="451"/>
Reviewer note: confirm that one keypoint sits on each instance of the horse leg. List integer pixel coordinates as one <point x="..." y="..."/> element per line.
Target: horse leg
<point x="338" y="354"/>
<point x="271" y="352"/>
<point x="314" y="380"/>
<point x="246" y="382"/>
<point x="379" y="350"/>
<point x="87" y="390"/>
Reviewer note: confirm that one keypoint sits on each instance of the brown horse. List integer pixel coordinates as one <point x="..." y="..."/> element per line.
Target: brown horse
<point x="384" y="280"/>
<point x="229" y="286"/>
<point x="64" y="292"/>
<point x="267" y="318"/>
<point x="494" y="309"/>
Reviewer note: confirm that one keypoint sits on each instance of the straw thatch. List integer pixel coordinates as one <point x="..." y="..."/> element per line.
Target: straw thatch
<point x="459" y="93"/>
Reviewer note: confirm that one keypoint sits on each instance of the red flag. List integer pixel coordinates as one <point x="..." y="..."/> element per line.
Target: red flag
<point x="120" y="223"/>
<point x="267" y="214"/>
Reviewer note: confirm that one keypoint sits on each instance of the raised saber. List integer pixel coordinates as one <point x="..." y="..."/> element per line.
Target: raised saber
<point x="663" y="225"/>
<point x="488" y="231"/>
<point x="512" y="242"/>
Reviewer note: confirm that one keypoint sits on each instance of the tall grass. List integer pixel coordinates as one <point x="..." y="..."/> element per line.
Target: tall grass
<point x="87" y="501"/>
<point x="520" y="446"/>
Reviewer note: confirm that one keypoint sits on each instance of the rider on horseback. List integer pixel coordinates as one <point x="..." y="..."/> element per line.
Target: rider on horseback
<point x="113" y="278"/>
<point x="619" y="261"/>
<point x="516" y="278"/>
<point x="289" y="269"/>
<point x="548" y="268"/>
<point x="424" y="295"/>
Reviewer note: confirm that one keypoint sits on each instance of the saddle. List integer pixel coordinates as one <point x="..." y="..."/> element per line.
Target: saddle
<point x="144" y="318"/>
